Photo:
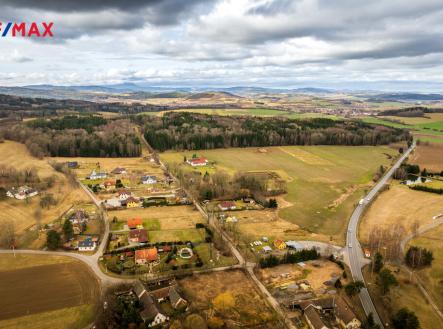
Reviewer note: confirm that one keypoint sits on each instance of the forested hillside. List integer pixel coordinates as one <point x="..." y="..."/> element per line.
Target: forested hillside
<point x="76" y="136"/>
<point x="192" y="131"/>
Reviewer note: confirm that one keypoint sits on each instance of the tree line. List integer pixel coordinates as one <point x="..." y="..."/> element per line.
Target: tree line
<point x="290" y="258"/>
<point x="116" y="138"/>
<point x="194" y="131"/>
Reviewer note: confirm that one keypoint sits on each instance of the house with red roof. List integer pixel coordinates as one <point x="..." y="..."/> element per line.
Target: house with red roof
<point x="227" y="205"/>
<point x="135" y="223"/>
<point x="138" y="236"/>
<point x="197" y="162"/>
<point x="145" y="256"/>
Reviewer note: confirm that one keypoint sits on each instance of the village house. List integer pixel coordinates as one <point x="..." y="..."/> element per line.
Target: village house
<point x="123" y="195"/>
<point x="87" y="245"/>
<point x="279" y="244"/>
<point x="313" y="319"/>
<point x="150" y="313"/>
<point x="97" y="175"/>
<point x="344" y="315"/>
<point x="138" y="236"/>
<point x="170" y="294"/>
<point x="145" y="256"/>
<point x="149" y="179"/>
<point x="135" y="223"/>
<point x="119" y="171"/>
<point x="131" y="202"/>
<point x="197" y="162"/>
<point x="227" y="205"/>
<point x="109" y="185"/>
<point x="21" y="193"/>
<point x="79" y="216"/>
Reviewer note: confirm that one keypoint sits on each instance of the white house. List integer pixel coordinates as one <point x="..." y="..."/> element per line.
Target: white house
<point x="21" y="193"/>
<point x="124" y="195"/>
<point x="97" y="175"/>
<point x="87" y="245"/>
<point x="149" y="179"/>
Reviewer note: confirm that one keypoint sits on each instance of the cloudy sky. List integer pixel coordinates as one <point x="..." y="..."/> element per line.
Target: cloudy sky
<point x="390" y="44"/>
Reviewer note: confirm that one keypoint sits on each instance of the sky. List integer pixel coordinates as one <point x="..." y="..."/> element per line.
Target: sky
<point x="340" y="44"/>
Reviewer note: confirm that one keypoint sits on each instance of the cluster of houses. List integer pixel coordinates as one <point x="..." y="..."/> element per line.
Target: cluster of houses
<point x="326" y="313"/>
<point x="153" y="295"/>
<point x="22" y="192"/>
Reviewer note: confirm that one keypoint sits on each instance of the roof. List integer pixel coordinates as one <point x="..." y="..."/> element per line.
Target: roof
<point x="323" y="303"/>
<point x="314" y="317"/>
<point x="140" y="235"/>
<point x="174" y="295"/>
<point x="86" y="243"/>
<point x="149" y="254"/>
<point x="161" y="293"/>
<point x="121" y="192"/>
<point x="146" y="177"/>
<point x="150" y="309"/>
<point x="79" y="214"/>
<point x="198" y="160"/>
<point x="267" y="248"/>
<point x="131" y="199"/>
<point x="227" y="204"/>
<point x="134" y="222"/>
<point x="139" y="288"/>
<point x="109" y="183"/>
<point x="118" y="170"/>
<point x="279" y="242"/>
<point x="343" y="311"/>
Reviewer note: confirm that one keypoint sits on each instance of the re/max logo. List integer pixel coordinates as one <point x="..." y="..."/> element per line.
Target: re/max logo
<point x="34" y="29"/>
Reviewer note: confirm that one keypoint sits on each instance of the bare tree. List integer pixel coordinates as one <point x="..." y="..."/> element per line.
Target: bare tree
<point x="7" y="233"/>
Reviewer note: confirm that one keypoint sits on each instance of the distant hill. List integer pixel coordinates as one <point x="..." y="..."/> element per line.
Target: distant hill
<point x="407" y="97"/>
<point x="212" y="95"/>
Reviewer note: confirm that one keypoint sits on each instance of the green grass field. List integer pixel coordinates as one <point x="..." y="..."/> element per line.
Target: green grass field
<point x="324" y="182"/>
<point x="194" y="235"/>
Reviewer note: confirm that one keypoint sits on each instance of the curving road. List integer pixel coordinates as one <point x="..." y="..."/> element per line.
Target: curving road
<point x="355" y="253"/>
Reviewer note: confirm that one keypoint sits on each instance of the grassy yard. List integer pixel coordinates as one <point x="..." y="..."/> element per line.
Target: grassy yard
<point x="324" y="182"/>
<point x="194" y="235"/>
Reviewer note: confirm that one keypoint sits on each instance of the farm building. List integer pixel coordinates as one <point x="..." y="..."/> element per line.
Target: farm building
<point x="170" y="293"/>
<point x="344" y="315"/>
<point x="21" y="193"/>
<point x="145" y="256"/>
<point x="138" y="236"/>
<point x="97" y="175"/>
<point x="118" y="171"/>
<point x="87" y="245"/>
<point x="109" y="184"/>
<point x="123" y="195"/>
<point x="279" y="244"/>
<point x="149" y="179"/>
<point x="313" y="319"/>
<point x="227" y="205"/>
<point x="135" y="223"/>
<point x="197" y="162"/>
<point x="150" y="313"/>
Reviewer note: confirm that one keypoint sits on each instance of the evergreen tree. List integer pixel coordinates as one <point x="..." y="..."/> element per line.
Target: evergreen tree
<point x="378" y="262"/>
<point x="386" y="280"/>
<point x="68" y="230"/>
<point x="405" y="319"/>
<point x="52" y="239"/>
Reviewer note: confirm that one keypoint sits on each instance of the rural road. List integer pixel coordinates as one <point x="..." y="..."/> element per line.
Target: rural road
<point x="355" y="253"/>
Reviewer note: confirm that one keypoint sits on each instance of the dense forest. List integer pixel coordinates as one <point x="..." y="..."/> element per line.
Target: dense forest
<point x="417" y="111"/>
<point x="192" y="131"/>
<point x="76" y="136"/>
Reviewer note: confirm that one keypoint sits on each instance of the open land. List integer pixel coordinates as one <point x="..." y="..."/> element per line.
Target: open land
<point x="324" y="182"/>
<point x="34" y="287"/>
<point x="429" y="156"/>
<point x="402" y="206"/>
<point x="229" y="296"/>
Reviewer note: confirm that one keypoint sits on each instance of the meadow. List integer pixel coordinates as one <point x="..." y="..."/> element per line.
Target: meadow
<point x="428" y="156"/>
<point x="324" y="182"/>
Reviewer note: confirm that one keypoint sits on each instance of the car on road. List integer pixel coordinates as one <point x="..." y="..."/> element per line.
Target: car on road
<point x="350" y="245"/>
<point x="361" y="201"/>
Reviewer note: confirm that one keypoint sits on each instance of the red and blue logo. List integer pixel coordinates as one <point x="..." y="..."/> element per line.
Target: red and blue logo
<point x="29" y="30"/>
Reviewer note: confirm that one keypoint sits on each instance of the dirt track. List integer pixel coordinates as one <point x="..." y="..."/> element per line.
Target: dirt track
<point x="45" y="288"/>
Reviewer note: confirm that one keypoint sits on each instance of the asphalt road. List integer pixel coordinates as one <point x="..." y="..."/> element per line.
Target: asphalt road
<point x="356" y="257"/>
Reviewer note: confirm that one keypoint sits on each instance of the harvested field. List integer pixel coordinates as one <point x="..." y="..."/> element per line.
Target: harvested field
<point x="401" y="205"/>
<point x="428" y="156"/>
<point x="45" y="288"/>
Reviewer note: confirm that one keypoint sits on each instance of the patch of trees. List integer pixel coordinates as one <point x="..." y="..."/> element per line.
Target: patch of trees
<point x="354" y="288"/>
<point x="386" y="280"/>
<point x="405" y="319"/>
<point x="425" y="188"/>
<point x="53" y="239"/>
<point x="417" y="257"/>
<point x="193" y="131"/>
<point x="290" y="258"/>
<point x="417" y="111"/>
<point x="87" y="123"/>
<point x="115" y="139"/>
